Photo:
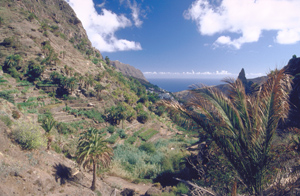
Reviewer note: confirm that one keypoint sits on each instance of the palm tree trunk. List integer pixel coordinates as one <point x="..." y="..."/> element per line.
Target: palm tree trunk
<point x="93" y="187"/>
<point x="48" y="144"/>
<point x="234" y="189"/>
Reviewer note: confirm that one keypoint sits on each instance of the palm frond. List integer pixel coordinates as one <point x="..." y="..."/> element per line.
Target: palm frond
<point x="243" y="125"/>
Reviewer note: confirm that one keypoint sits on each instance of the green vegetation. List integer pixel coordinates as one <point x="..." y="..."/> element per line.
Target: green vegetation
<point x="148" y="134"/>
<point x="31" y="103"/>
<point x="24" y="83"/>
<point x="34" y="71"/>
<point x="1" y="21"/>
<point x="142" y="116"/>
<point x="147" y="161"/>
<point x="91" y="114"/>
<point x="92" y="150"/>
<point x="12" y="65"/>
<point x="2" y="80"/>
<point x="243" y="127"/>
<point x="7" y="121"/>
<point x="31" y="16"/>
<point x="7" y="96"/>
<point x="66" y="128"/>
<point x="10" y="42"/>
<point x="111" y="129"/>
<point x="47" y="125"/>
<point x="28" y="136"/>
<point x="113" y="138"/>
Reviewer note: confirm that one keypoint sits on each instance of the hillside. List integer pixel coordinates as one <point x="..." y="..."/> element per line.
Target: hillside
<point x="128" y="70"/>
<point x="70" y="119"/>
<point x="50" y="70"/>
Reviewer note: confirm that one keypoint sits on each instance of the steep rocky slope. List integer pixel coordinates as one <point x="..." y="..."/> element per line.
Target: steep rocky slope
<point x="42" y="41"/>
<point x="128" y="70"/>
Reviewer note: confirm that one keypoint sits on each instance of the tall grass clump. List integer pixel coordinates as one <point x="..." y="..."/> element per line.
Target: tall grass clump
<point x="7" y="121"/>
<point x="147" y="161"/>
<point x="28" y="136"/>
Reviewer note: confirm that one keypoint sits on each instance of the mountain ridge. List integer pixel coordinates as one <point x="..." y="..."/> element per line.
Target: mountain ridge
<point x="128" y="70"/>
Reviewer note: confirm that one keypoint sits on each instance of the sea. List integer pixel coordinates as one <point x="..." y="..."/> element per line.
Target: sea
<point x="180" y="84"/>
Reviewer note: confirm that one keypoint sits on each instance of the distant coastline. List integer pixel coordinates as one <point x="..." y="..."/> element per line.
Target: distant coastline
<point x="180" y="84"/>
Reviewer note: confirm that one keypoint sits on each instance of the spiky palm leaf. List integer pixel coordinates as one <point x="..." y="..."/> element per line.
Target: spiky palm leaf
<point x="92" y="150"/>
<point x="243" y="125"/>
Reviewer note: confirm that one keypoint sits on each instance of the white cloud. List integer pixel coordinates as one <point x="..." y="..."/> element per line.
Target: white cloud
<point x="101" y="27"/>
<point x="101" y="4"/>
<point x="247" y="18"/>
<point x="192" y="74"/>
<point x="189" y="74"/>
<point x="136" y="12"/>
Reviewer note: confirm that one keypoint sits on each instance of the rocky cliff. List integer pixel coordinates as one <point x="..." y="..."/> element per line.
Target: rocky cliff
<point x="128" y="70"/>
<point x="293" y="68"/>
<point x="50" y="30"/>
<point x="46" y="64"/>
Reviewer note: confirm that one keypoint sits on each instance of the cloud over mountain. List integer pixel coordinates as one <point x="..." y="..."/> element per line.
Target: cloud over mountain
<point x="101" y="27"/>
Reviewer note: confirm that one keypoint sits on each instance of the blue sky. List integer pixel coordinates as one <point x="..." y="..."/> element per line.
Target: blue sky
<point x="194" y="38"/>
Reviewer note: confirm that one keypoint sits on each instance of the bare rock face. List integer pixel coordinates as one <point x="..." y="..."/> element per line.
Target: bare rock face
<point x="153" y="191"/>
<point x="128" y="70"/>
<point x="128" y="192"/>
<point x="293" y="68"/>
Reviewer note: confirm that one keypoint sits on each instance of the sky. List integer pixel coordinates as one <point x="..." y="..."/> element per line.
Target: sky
<point x="194" y="38"/>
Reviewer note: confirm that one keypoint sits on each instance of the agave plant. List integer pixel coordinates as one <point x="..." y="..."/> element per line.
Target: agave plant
<point x="243" y="125"/>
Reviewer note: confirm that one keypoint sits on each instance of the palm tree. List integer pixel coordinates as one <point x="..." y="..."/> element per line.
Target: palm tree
<point x="122" y="113"/>
<point x="47" y="125"/>
<point x="71" y="83"/>
<point x="92" y="150"/>
<point x="243" y="125"/>
<point x="99" y="87"/>
<point x="89" y="81"/>
<point x="12" y="61"/>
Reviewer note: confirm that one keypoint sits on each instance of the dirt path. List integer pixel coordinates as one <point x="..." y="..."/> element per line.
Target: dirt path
<point x="120" y="183"/>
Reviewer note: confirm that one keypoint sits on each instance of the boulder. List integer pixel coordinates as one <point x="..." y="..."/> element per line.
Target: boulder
<point x="153" y="191"/>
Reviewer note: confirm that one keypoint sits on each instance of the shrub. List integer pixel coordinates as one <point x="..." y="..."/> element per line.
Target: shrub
<point x="56" y="148"/>
<point x="143" y="99"/>
<point x="2" y="80"/>
<point x="142" y="117"/>
<point x="147" y="147"/>
<point x="9" y="42"/>
<point x="64" y="128"/>
<point x="182" y="189"/>
<point x="122" y="134"/>
<point x="131" y="139"/>
<point x="14" y="73"/>
<point x="7" y="121"/>
<point x="94" y="114"/>
<point x="1" y="21"/>
<point x="7" y="96"/>
<point x="130" y="115"/>
<point x="15" y="114"/>
<point x="45" y="115"/>
<point x="148" y="134"/>
<point x="34" y="71"/>
<point x="31" y="16"/>
<point x="112" y="139"/>
<point x="28" y="136"/>
<point x="111" y="129"/>
<point x="160" y="110"/>
<point x="139" y="107"/>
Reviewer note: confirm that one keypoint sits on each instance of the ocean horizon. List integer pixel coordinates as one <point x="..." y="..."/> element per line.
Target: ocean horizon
<point x="180" y="84"/>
